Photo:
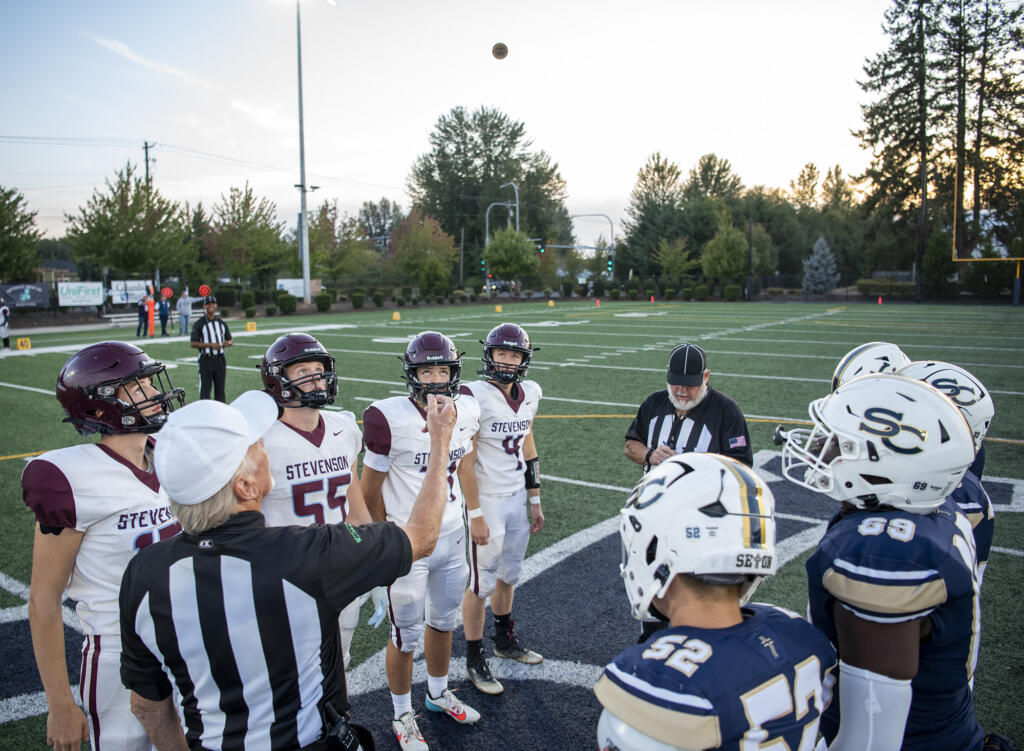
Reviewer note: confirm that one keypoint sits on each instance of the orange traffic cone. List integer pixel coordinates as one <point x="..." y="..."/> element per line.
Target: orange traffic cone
<point x="879" y="299"/>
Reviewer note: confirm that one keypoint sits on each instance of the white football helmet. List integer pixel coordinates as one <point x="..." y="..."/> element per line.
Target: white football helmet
<point x="873" y="357"/>
<point x="881" y="439"/>
<point x="701" y="514"/>
<point x="966" y="391"/>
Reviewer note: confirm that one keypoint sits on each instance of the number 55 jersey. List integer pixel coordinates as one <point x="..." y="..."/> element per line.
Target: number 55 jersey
<point x="766" y="679"/>
<point x="895" y="566"/>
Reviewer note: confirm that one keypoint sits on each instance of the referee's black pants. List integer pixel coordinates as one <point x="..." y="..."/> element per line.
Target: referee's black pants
<point x="213" y="371"/>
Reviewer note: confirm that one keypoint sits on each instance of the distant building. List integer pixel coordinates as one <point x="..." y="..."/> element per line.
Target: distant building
<point x="57" y="270"/>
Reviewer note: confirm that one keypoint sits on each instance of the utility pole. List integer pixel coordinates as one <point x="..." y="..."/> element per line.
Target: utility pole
<point x="462" y="252"/>
<point x="146" y="146"/>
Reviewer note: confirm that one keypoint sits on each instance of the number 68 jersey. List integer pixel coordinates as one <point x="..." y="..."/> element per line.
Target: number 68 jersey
<point x="766" y="679"/>
<point x="895" y="566"/>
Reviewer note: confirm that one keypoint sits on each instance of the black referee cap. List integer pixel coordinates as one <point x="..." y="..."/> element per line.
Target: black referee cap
<point x="686" y="366"/>
<point x="209" y="299"/>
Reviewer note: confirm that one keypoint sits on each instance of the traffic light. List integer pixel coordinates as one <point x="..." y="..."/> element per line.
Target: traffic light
<point x="609" y="263"/>
<point x="541" y="248"/>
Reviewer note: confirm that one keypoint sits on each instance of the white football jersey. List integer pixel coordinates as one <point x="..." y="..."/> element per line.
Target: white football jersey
<point x="396" y="444"/>
<point x="119" y="508"/>
<point x="504" y="425"/>
<point x="312" y="471"/>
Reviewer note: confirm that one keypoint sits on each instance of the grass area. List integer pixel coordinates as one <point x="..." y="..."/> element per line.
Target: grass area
<point x="596" y="366"/>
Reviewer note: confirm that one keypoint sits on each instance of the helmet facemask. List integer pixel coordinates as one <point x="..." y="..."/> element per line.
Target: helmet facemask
<point x="293" y="396"/>
<point x="419" y="389"/>
<point x="110" y="414"/>
<point x="504" y="372"/>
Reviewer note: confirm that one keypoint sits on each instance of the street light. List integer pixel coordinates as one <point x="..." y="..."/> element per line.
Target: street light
<point x="516" y="190"/>
<point x="611" y="236"/>
<point x="487" y="220"/>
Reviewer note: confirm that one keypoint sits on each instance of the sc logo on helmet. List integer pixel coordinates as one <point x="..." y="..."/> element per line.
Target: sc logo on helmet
<point x="952" y="388"/>
<point x="888" y="426"/>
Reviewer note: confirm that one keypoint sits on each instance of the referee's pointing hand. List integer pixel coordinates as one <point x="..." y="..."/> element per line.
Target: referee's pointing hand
<point x="440" y="416"/>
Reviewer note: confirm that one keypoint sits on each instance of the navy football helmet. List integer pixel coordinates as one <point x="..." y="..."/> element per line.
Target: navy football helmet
<point x="506" y="336"/>
<point x="288" y="350"/>
<point x="430" y="348"/>
<point x="88" y="385"/>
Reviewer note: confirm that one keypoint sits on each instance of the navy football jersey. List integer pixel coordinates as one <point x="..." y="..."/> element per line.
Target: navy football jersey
<point x="894" y="566"/>
<point x="767" y="678"/>
<point x="975" y="504"/>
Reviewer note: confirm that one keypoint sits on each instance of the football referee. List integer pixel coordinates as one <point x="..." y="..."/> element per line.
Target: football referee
<point x="211" y="336"/>
<point x="245" y="616"/>
<point x="688" y="415"/>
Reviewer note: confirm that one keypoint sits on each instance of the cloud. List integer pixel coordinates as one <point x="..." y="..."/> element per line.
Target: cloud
<point x="123" y="50"/>
<point x="266" y="117"/>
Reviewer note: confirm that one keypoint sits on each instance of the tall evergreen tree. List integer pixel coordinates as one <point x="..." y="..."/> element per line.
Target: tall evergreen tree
<point x="820" y="273"/>
<point x="19" y="238"/>
<point x="654" y="214"/>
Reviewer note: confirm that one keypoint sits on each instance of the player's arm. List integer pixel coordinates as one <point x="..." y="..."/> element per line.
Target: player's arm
<point x="53" y="558"/>
<point x="878" y="661"/>
<point x="478" y="530"/>
<point x="533" y="482"/>
<point x="372" y="487"/>
<point x="357" y="510"/>
<point x="160" y="721"/>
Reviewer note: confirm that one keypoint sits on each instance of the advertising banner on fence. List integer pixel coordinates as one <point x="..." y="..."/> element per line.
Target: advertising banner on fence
<point x="79" y="293"/>
<point x="294" y="287"/>
<point x="125" y="291"/>
<point x="25" y="295"/>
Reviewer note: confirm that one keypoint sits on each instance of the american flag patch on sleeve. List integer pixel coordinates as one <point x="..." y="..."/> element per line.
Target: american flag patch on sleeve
<point x="738" y="442"/>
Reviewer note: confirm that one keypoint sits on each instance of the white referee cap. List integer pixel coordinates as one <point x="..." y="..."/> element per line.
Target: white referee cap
<point x="202" y="445"/>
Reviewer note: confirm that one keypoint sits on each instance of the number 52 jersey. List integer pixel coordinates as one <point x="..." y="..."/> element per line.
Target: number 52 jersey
<point x="767" y="678"/>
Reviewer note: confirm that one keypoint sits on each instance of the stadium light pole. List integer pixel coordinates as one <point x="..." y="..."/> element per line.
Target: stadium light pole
<point x="611" y="232"/>
<point x="515" y="188"/>
<point x="303" y="224"/>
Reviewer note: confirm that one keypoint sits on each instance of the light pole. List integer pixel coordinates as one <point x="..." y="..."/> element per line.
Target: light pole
<point x="516" y="190"/>
<point x="303" y="229"/>
<point x="611" y="234"/>
<point x="487" y="220"/>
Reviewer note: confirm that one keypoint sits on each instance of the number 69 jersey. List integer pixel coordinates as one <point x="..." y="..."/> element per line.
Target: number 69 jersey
<point x="768" y="678"/>
<point x="504" y="424"/>
<point x="896" y="566"/>
<point x="311" y="471"/>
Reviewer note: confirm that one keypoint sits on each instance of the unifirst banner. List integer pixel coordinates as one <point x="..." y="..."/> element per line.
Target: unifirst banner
<point x="71" y="294"/>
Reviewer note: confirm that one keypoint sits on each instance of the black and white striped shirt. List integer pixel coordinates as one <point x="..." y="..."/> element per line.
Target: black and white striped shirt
<point x="244" y="618"/>
<point x="206" y="330"/>
<point x="716" y="425"/>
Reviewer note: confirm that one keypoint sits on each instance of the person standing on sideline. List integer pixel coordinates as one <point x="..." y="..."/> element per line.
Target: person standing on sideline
<point x="507" y="474"/>
<point x="244" y="617"/>
<point x="96" y="505"/>
<point x="313" y="453"/>
<point x="184" y="307"/>
<point x="5" y="322"/>
<point x="164" y="309"/>
<point x="211" y="336"/>
<point x="688" y="415"/>
<point x="140" y="330"/>
<point x="430" y="594"/>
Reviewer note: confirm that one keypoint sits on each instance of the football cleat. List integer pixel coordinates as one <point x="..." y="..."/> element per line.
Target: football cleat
<point x="447" y="703"/>
<point x="508" y="646"/>
<point x="480" y="674"/>
<point x="408" y="734"/>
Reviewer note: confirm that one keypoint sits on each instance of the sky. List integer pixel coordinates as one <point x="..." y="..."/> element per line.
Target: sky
<point x="599" y="85"/>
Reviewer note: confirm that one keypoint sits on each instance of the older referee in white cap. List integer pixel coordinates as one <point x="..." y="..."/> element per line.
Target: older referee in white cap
<point x="242" y="617"/>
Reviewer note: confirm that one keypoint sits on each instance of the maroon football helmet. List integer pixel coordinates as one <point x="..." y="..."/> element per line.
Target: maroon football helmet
<point x="431" y="348"/>
<point x="288" y="350"/>
<point x="506" y="336"/>
<point x="89" y="381"/>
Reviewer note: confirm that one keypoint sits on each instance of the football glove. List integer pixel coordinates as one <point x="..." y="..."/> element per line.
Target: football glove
<point x="379" y="595"/>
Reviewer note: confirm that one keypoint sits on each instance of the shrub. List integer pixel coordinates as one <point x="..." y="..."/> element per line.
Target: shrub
<point x="567" y="286"/>
<point x="460" y="295"/>
<point x="342" y="297"/>
<point x="378" y="299"/>
<point x="580" y="290"/>
<point x="472" y="297"/>
<point x="332" y="292"/>
<point x="360" y="290"/>
<point x="633" y="284"/>
<point x="633" y="293"/>
<point x="527" y="293"/>
<point x="731" y="292"/>
<point x="358" y="298"/>
<point x="775" y="291"/>
<point x="401" y="302"/>
<point x="248" y="299"/>
<point x="649" y="293"/>
<point x="687" y="293"/>
<point x="615" y="293"/>
<point x="415" y="301"/>
<point x="547" y="292"/>
<point x="700" y="292"/>
<point x="226" y="296"/>
<point x="670" y="294"/>
<point x="599" y="287"/>
<point x="250" y="312"/>
<point x="287" y="303"/>
<point x="271" y="310"/>
<point x="406" y="291"/>
<point x="323" y="301"/>
<point x="260" y="296"/>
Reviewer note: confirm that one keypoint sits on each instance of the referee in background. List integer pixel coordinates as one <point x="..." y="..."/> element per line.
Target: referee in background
<point x="211" y="336"/>
<point x="688" y="415"/>
<point x="245" y="616"/>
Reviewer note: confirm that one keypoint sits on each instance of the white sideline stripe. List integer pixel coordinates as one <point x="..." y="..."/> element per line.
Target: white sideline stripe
<point x="16" y="613"/>
<point x="852" y="344"/>
<point x="1008" y="551"/>
<point x="20" y="707"/>
<point x="49" y="392"/>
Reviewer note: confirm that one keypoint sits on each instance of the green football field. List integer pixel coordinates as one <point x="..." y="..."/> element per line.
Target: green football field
<point x="595" y="366"/>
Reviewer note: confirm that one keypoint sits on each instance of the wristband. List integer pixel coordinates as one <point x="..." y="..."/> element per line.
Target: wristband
<point x="534" y="500"/>
<point x="647" y="459"/>
<point x="475" y="513"/>
<point x="532" y="473"/>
